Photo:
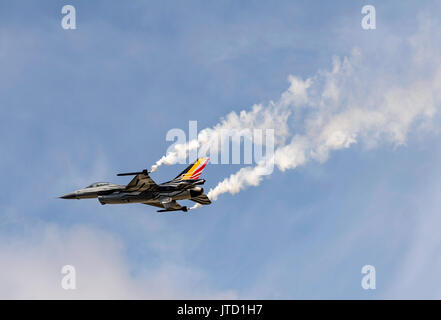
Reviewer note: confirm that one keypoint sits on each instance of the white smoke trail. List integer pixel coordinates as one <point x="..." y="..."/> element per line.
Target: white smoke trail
<point x="361" y="99"/>
<point x="259" y="117"/>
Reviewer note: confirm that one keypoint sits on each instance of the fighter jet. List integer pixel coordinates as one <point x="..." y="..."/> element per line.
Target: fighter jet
<point x="142" y="189"/>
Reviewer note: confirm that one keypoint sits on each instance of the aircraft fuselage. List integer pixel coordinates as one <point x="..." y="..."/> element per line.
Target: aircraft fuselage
<point x="114" y="194"/>
<point x="142" y="189"/>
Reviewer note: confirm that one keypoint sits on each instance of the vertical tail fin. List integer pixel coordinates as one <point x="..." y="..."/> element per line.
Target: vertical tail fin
<point x="193" y="171"/>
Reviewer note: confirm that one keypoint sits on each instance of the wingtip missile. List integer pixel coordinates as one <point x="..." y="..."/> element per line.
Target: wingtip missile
<point x="185" y="209"/>
<point x="133" y="173"/>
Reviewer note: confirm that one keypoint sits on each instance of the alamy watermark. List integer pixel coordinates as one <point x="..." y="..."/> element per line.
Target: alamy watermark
<point x="369" y="20"/>
<point x="368" y="281"/>
<point x="69" y="280"/>
<point x="69" y="20"/>
<point x="225" y="146"/>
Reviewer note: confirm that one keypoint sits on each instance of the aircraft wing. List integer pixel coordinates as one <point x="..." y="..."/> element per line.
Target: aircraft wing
<point x="167" y="204"/>
<point x="142" y="182"/>
<point x="155" y="204"/>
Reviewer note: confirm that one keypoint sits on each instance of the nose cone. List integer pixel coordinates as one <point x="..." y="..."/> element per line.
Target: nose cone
<point x="71" y="195"/>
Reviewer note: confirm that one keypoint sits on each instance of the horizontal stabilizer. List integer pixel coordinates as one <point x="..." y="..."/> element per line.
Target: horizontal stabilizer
<point x="202" y="199"/>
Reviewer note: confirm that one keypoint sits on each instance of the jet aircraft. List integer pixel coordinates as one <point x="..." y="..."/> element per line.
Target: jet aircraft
<point x="142" y="189"/>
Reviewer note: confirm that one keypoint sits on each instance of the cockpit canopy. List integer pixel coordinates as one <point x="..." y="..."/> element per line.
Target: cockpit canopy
<point x="98" y="184"/>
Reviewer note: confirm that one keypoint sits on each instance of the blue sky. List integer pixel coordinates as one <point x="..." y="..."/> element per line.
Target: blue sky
<point x="79" y="106"/>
